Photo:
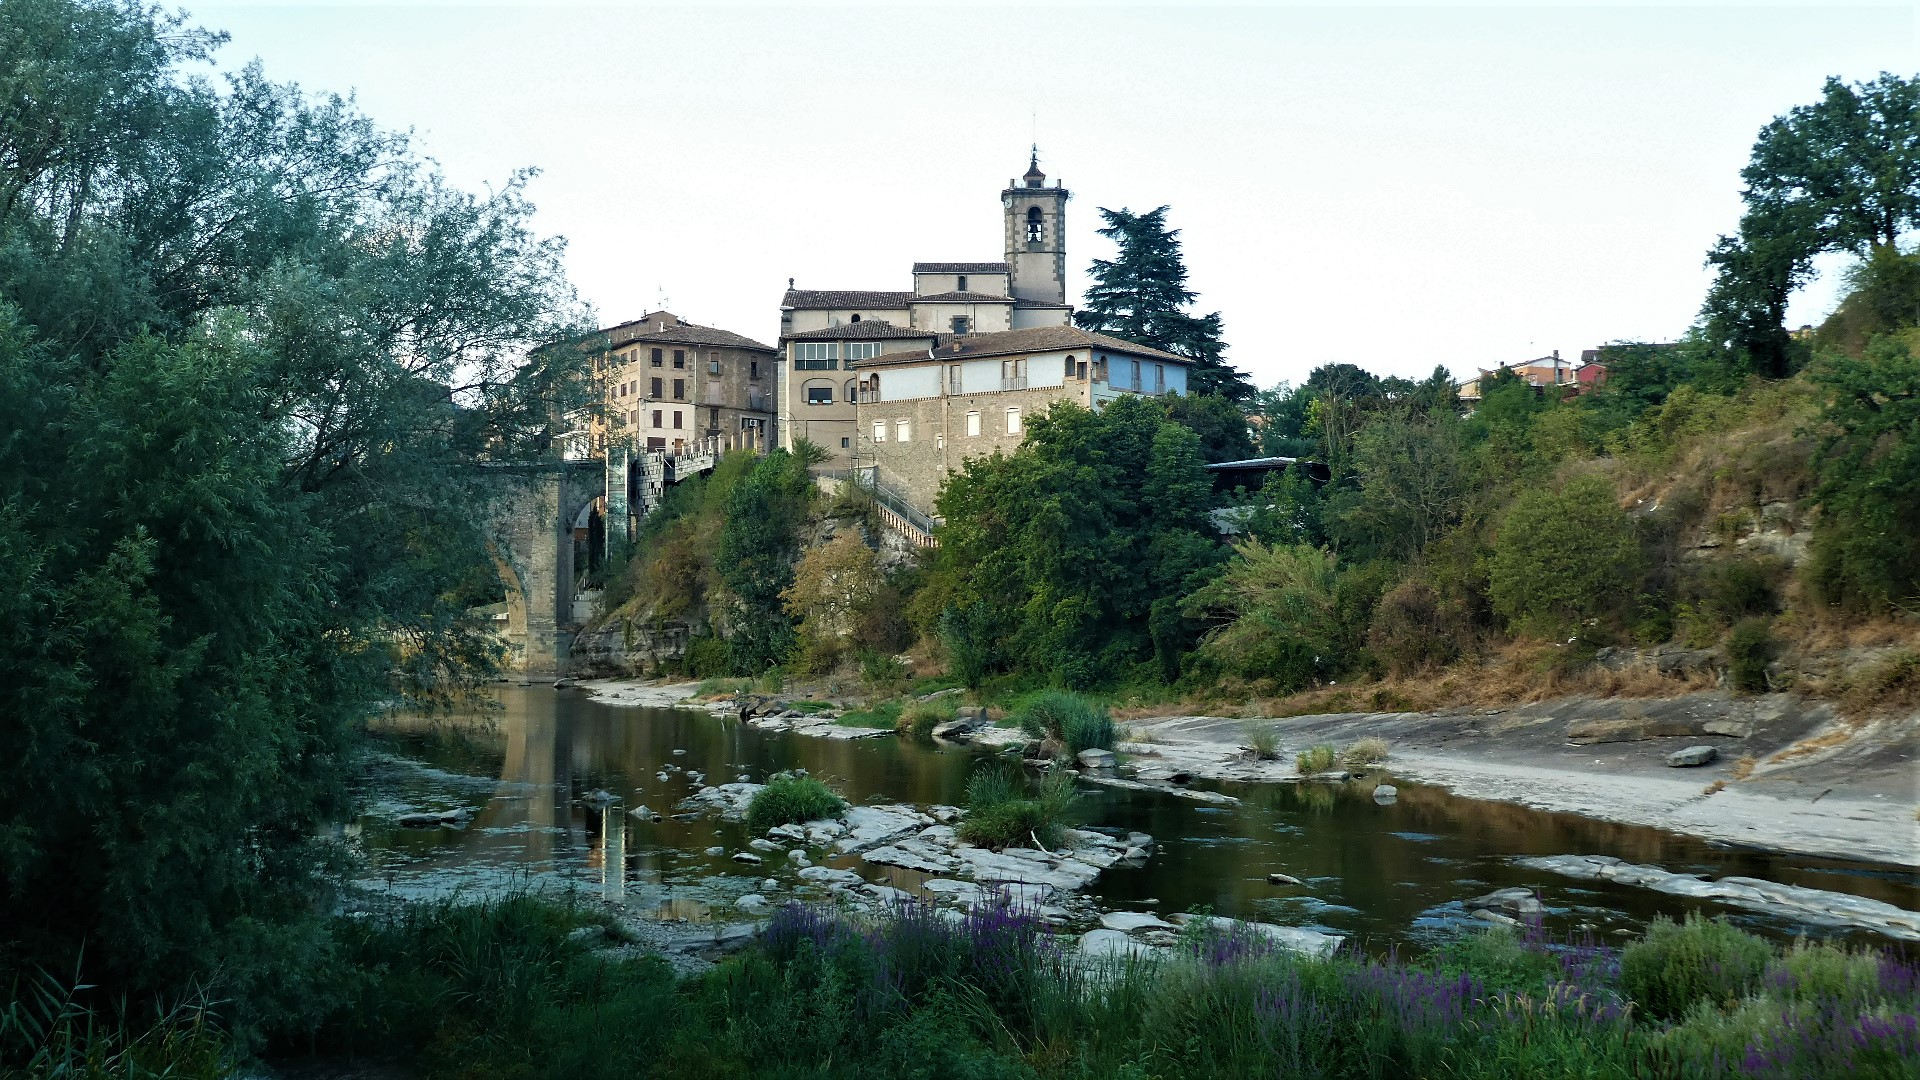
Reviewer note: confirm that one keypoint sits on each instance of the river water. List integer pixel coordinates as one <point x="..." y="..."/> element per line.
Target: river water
<point x="1390" y="875"/>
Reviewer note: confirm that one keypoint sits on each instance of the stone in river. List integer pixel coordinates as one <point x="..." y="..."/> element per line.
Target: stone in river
<point x="1691" y="756"/>
<point x="751" y="902"/>
<point x="1283" y="879"/>
<point x="677" y="753"/>
<point x="420" y="821"/>
<point x="1520" y="901"/>
<point x="644" y="813"/>
<point x="1095" y="758"/>
<point x="827" y="875"/>
<point x="716" y="850"/>
<point x="1385" y="793"/>
<point x="747" y="857"/>
<point x="1129" y="921"/>
<point x="759" y="844"/>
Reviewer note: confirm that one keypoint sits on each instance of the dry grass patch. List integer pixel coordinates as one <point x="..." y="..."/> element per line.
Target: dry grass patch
<point x="1368" y="751"/>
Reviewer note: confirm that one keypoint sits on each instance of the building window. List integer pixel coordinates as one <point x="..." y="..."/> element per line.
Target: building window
<point x="656" y="358"/>
<point x="814" y="356"/>
<point x="713" y="363"/>
<point x="656" y="418"/>
<point x="953" y="379"/>
<point x="973" y="424"/>
<point x="939" y="440"/>
<point x="1036" y="225"/>
<point x="656" y="388"/>
<point x="819" y="395"/>
<point x="753" y="369"/>
<point x="1013" y="421"/>
<point x="862" y="350"/>
<point x="679" y="389"/>
<point x="903" y="431"/>
<point x="961" y="323"/>
<point x="845" y="443"/>
<point x="879" y="431"/>
<point x="960" y="283"/>
<point x="1136" y="374"/>
<point x="713" y="419"/>
<point x="676" y="418"/>
<point x="1159" y="378"/>
<point x="680" y="358"/>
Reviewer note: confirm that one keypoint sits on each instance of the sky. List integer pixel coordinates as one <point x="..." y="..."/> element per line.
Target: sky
<point x="1397" y="188"/>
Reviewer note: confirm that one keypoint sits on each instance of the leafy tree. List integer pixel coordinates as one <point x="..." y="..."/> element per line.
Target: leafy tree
<point x="1866" y="545"/>
<point x="1221" y="425"/>
<point x="1414" y="482"/>
<point x="1051" y="558"/>
<point x="1274" y="614"/>
<point x="1841" y="174"/>
<point x="832" y="585"/>
<point x="1141" y="295"/>
<point x="1564" y="556"/>
<point x="252" y="353"/>
<point x="757" y="548"/>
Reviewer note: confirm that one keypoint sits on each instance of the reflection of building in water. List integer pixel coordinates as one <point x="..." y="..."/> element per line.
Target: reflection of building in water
<point x="539" y="754"/>
<point x="613" y="852"/>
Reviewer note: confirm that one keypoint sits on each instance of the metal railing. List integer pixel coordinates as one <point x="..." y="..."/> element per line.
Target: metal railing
<point x="905" y="517"/>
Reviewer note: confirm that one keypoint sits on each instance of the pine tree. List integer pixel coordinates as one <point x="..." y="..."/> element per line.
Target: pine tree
<point x="1141" y="295"/>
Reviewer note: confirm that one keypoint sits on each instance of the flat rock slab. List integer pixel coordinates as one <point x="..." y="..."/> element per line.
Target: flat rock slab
<point x="1516" y="900"/>
<point x="872" y="826"/>
<point x="1113" y="945"/>
<point x="1128" y="922"/>
<point x="1818" y="906"/>
<point x="1311" y="943"/>
<point x="729" y="800"/>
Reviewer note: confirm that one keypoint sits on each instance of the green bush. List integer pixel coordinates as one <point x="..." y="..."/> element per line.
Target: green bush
<point x="920" y="718"/>
<point x="1003" y="812"/>
<point x="1069" y="719"/>
<point x="1678" y="964"/>
<point x="788" y="799"/>
<point x="884" y="715"/>
<point x="1317" y="759"/>
<point x="1749" y="649"/>
<point x="1564" y="555"/>
<point x="1371" y="750"/>
<point x="705" y="658"/>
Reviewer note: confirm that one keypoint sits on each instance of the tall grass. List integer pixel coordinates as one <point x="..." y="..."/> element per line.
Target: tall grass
<point x="1071" y="720"/>
<point x="790" y="799"/>
<point x="1317" y="759"/>
<point x="918" y="720"/>
<point x="1004" y="810"/>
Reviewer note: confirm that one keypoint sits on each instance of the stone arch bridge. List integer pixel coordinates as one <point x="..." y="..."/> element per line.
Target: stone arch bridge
<point x="551" y="517"/>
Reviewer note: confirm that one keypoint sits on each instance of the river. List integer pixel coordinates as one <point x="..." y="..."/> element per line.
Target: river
<point x="1390" y="875"/>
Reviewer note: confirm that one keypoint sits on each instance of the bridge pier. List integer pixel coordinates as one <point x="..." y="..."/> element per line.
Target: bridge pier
<point x="531" y="542"/>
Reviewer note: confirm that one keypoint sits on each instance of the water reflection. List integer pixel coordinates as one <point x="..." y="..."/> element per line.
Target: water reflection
<point x="1393" y="873"/>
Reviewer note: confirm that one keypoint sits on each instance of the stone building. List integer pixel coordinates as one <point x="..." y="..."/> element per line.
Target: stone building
<point x="669" y="383"/>
<point x="920" y="414"/>
<point x="824" y="333"/>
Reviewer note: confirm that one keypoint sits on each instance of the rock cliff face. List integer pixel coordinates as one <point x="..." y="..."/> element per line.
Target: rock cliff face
<point x="623" y="646"/>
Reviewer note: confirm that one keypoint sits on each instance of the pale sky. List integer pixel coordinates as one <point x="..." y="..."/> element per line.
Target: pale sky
<point x="1393" y="187"/>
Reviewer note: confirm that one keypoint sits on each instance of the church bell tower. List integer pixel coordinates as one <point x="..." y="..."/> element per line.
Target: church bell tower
<point x="1036" y="235"/>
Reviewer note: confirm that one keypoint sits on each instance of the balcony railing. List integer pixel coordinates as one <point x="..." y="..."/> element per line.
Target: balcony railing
<point x="1018" y="382"/>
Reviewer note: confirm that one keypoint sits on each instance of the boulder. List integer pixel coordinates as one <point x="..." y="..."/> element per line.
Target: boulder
<point x="751" y="902"/>
<point x="1519" y="901"/>
<point x="1385" y="793"/>
<point x="1691" y="757"/>
<point x="747" y="857"/>
<point x="643" y="812"/>
<point x="1283" y="879"/>
<point x="1112" y="944"/>
<point x="1095" y="758"/>
<point x="420" y="821"/>
<point x="827" y="875"/>
<point x="763" y="844"/>
<point x="716" y="850"/>
<point x="1128" y="922"/>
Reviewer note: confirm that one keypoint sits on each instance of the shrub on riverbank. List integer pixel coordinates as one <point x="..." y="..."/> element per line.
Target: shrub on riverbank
<point x="1371" y="750"/>
<point x="1680" y="964"/>
<point x="1317" y="759"/>
<point x="790" y="799"/>
<point x="920" y="718"/>
<point x="1003" y="810"/>
<point x="1072" y="720"/>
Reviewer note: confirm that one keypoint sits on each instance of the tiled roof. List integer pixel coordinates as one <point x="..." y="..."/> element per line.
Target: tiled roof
<point x="962" y="298"/>
<point x="821" y="299"/>
<point x="867" y="330"/>
<point x="1018" y="342"/>
<point x="962" y="268"/>
<point x="682" y="334"/>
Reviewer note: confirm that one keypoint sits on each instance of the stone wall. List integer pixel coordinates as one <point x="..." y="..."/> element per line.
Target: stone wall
<point x="938" y="443"/>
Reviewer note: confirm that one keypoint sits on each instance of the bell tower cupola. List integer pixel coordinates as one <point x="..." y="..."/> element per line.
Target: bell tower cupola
<point x="1036" y="235"/>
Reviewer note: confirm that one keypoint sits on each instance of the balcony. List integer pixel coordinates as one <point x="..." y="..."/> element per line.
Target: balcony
<point x="1018" y="382"/>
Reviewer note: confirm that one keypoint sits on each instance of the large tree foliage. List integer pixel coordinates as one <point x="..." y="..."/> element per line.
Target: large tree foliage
<point x="1141" y="295"/>
<point x="1052" y="557"/>
<point x="252" y="352"/>
<point x="1866" y="548"/>
<point x="758" y="545"/>
<point x="1841" y="174"/>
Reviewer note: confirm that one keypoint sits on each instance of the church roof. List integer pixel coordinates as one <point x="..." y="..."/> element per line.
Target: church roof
<point x="1036" y="305"/>
<point x="1018" y="342"/>
<point x="825" y="299"/>
<point x="962" y="268"/>
<point x="865" y="330"/>
<point x="962" y="298"/>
